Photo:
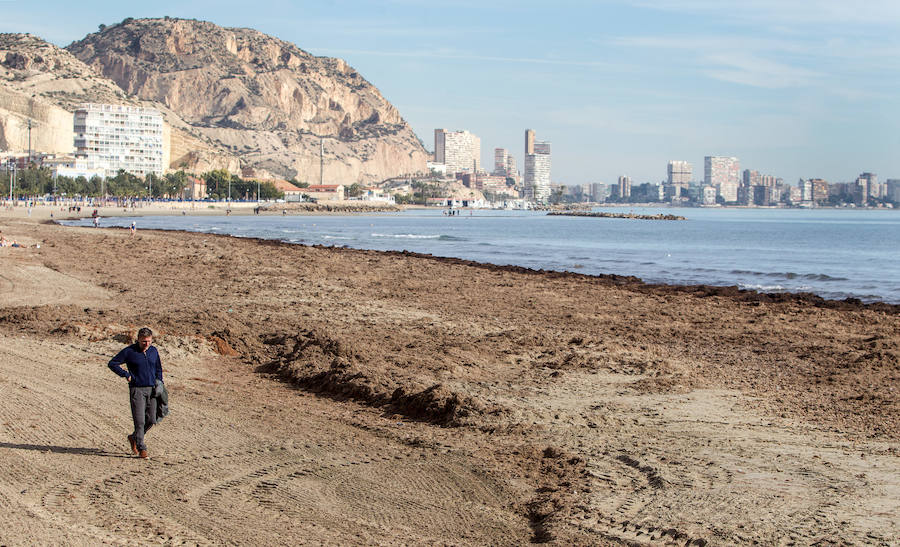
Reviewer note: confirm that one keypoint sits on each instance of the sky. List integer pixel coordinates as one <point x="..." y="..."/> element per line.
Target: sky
<point x="795" y="89"/>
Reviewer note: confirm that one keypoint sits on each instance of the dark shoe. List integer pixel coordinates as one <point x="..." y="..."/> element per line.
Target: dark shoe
<point x="133" y="444"/>
<point x="144" y="455"/>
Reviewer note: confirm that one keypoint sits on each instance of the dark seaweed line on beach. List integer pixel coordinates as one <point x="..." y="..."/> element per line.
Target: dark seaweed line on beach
<point x="629" y="282"/>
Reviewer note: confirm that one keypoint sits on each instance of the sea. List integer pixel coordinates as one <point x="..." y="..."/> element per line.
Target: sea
<point x="834" y="253"/>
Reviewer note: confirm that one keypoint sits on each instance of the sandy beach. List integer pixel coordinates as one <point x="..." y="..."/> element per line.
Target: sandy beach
<point x="346" y="397"/>
<point x="62" y="211"/>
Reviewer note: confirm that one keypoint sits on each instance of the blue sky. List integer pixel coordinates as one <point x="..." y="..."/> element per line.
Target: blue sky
<point x="796" y="88"/>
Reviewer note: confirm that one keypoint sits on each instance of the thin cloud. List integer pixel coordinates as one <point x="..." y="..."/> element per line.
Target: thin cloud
<point x="795" y="12"/>
<point x="466" y="57"/>
<point x="835" y="64"/>
<point x="758" y="72"/>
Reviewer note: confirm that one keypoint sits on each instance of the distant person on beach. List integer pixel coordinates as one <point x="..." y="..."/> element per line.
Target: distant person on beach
<point x="133" y="228"/>
<point x="144" y="371"/>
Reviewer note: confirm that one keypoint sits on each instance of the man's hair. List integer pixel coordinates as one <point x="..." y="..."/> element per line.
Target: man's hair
<point x="144" y="333"/>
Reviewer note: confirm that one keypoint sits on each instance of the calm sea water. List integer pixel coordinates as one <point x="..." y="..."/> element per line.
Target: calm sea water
<point x="835" y="253"/>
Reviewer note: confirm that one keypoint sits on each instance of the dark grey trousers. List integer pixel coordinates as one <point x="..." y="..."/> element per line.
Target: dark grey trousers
<point x="143" y="412"/>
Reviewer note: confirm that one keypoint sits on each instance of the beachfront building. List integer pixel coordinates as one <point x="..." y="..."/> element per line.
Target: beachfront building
<point x="113" y="137"/>
<point x="501" y="159"/>
<point x="325" y="192"/>
<point x="194" y="189"/>
<point x="868" y="187"/>
<point x="723" y="173"/>
<point x="504" y="164"/>
<point x="623" y="187"/>
<point x="599" y="191"/>
<point x="378" y="195"/>
<point x="537" y="169"/>
<point x="678" y="179"/>
<point x="511" y="170"/>
<point x="291" y="191"/>
<point x="679" y="172"/>
<point x="819" y="190"/>
<point x="69" y="166"/>
<point x="537" y="176"/>
<point x="459" y="151"/>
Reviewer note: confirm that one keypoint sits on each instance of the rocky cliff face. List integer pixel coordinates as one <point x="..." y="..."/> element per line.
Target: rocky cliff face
<point x="45" y="84"/>
<point x="246" y="95"/>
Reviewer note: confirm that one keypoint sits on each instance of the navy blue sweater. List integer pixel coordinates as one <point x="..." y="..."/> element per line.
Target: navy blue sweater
<point x="143" y="369"/>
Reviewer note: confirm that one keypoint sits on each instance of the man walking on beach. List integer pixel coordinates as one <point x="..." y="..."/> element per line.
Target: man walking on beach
<point x="143" y="371"/>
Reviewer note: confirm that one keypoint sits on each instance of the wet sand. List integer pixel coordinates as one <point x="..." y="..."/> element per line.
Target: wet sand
<point x="339" y="396"/>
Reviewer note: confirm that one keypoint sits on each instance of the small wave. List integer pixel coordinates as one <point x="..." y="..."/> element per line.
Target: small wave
<point x="824" y="277"/>
<point x="408" y="236"/>
<point x="762" y="288"/>
<point x="337" y="237"/>
<point x="774" y="288"/>
<point x="790" y="275"/>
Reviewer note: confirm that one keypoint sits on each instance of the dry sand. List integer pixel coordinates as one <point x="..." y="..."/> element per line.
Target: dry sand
<point x="335" y="396"/>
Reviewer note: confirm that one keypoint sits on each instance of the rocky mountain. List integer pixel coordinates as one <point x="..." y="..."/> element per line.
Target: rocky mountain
<point x="45" y="84"/>
<point x="256" y="98"/>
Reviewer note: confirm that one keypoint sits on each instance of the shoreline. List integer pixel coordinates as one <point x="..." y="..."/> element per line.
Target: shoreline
<point x="346" y="207"/>
<point x="199" y="208"/>
<point x="701" y="289"/>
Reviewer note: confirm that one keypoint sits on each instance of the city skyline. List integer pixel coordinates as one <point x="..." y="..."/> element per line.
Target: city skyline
<point x="804" y="90"/>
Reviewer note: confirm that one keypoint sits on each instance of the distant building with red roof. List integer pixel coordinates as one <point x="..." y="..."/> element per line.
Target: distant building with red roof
<point x="195" y="189"/>
<point x="326" y="192"/>
<point x="291" y="191"/>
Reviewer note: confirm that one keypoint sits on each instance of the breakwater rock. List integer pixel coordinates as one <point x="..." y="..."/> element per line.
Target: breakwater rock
<point x="616" y="215"/>
<point x="339" y="207"/>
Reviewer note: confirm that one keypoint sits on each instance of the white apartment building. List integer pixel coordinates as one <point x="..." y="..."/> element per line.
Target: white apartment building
<point x="679" y="172"/>
<point x="723" y="173"/>
<point x="113" y="137"/>
<point x="537" y="173"/>
<point x="460" y="151"/>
